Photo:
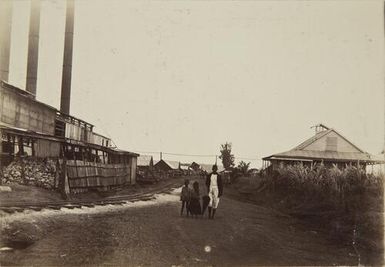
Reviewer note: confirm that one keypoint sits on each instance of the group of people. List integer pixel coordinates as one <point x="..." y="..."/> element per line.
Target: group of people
<point x="191" y="199"/>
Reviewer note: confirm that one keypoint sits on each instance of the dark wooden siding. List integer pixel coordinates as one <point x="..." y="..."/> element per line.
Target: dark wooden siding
<point x="162" y="166"/>
<point x="88" y="174"/>
<point x="46" y="148"/>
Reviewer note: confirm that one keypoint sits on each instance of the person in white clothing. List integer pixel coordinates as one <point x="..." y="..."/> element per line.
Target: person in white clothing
<point x="215" y="188"/>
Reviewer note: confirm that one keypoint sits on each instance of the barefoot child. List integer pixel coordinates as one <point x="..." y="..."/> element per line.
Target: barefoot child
<point x="185" y="197"/>
<point x="195" y="205"/>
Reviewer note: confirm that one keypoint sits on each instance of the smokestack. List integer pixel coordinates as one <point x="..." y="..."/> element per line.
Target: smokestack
<point x="33" y="47"/>
<point x="5" y="37"/>
<point x="67" y="58"/>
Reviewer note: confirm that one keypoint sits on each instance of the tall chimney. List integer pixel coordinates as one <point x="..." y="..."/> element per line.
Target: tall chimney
<point x="33" y="47"/>
<point x="67" y="59"/>
<point x="5" y="37"/>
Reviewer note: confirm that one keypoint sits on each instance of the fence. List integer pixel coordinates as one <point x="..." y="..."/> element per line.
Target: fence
<point x="84" y="175"/>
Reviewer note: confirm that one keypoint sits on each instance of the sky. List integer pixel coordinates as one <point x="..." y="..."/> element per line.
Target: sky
<point x="186" y="76"/>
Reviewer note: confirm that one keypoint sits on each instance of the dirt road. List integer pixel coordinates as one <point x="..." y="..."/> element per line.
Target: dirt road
<point x="154" y="234"/>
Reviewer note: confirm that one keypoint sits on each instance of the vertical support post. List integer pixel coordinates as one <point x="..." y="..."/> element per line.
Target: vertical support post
<point x="63" y="182"/>
<point x="20" y="143"/>
<point x="33" y="142"/>
<point x="13" y="146"/>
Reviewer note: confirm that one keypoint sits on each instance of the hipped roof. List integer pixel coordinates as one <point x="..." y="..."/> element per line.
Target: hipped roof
<point x="299" y="152"/>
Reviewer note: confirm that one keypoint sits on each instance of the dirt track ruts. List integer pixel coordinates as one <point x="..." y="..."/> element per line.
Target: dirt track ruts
<point x="156" y="235"/>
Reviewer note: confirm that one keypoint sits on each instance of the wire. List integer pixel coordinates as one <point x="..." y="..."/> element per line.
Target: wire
<point x="188" y="155"/>
<point x="192" y="155"/>
<point x="146" y="152"/>
<point x="247" y="158"/>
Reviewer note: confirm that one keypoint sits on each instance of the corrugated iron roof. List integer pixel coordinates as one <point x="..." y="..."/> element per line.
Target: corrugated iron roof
<point x="121" y="151"/>
<point x="298" y="152"/>
<point x="185" y="164"/>
<point x="144" y="160"/>
<point x="312" y="139"/>
<point x="328" y="155"/>
<point x="318" y="136"/>
<point x="184" y="167"/>
<point x="172" y="164"/>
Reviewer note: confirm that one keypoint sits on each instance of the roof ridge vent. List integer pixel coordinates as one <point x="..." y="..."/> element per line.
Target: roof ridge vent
<point x="320" y="128"/>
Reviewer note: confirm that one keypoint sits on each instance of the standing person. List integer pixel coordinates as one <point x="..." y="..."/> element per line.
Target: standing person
<point x="195" y="205"/>
<point x="215" y="188"/>
<point x="185" y="197"/>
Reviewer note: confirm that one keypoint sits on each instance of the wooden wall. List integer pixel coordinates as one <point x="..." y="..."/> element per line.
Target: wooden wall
<point x="89" y="174"/>
<point x="23" y="112"/>
<point x="342" y="144"/>
<point x="75" y="132"/>
<point x="80" y="133"/>
<point x="46" y="148"/>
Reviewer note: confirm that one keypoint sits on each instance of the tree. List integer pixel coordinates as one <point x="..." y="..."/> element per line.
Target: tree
<point x="243" y="167"/>
<point x="226" y="156"/>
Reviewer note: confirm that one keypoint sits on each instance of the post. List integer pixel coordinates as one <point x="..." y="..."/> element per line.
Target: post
<point x="20" y="143"/>
<point x="63" y="182"/>
<point x="33" y="142"/>
<point x="13" y="146"/>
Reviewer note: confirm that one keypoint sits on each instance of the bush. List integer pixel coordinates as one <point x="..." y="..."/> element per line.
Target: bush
<point x="347" y="203"/>
<point x="339" y="188"/>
